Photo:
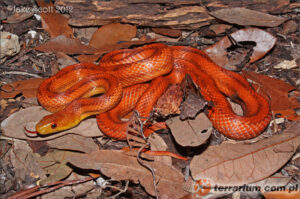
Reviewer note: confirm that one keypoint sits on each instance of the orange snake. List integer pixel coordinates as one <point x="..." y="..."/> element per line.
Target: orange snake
<point x="134" y="80"/>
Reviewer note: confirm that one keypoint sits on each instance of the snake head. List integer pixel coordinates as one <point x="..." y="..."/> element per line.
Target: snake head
<point x="57" y="122"/>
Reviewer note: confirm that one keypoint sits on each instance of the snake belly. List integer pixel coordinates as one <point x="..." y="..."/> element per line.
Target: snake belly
<point x="120" y="77"/>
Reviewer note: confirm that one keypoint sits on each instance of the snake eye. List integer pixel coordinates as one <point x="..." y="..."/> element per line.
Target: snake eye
<point x="53" y="126"/>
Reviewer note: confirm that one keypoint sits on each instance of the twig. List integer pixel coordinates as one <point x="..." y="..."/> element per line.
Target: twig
<point x="120" y="190"/>
<point x="24" y="194"/>
<point x="148" y="167"/>
<point x="19" y="73"/>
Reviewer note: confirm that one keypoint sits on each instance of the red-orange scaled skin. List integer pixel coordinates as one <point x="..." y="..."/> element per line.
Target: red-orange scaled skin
<point x="127" y="71"/>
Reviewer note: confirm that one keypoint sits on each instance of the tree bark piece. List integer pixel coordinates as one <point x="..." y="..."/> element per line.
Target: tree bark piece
<point x="176" y="14"/>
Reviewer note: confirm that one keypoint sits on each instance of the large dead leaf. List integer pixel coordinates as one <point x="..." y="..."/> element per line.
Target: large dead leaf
<point x="73" y="142"/>
<point x="28" y="88"/>
<point x="264" y="43"/>
<point x="246" y="17"/>
<point x="52" y="21"/>
<point x="25" y="162"/>
<point x="238" y="164"/>
<point x="13" y="126"/>
<point x="190" y="132"/>
<point x="67" y="45"/>
<point x="111" y="34"/>
<point x="55" y="165"/>
<point x="278" y="93"/>
<point x="119" y="166"/>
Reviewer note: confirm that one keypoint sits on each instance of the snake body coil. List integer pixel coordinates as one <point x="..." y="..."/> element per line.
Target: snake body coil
<point x="123" y="77"/>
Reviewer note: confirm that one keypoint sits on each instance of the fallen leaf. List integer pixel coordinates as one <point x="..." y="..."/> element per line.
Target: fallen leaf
<point x="238" y="164"/>
<point x="278" y="93"/>
<point x="52" y="21"/>
<point x="193" y="102"/>
<point x="264" y="43"/>
<point x="25" y="162"/>
<point x="191" y="106"/>
<point x="73" y="142"/>
<point x="219" y="28"/>
<point x="64" y="60"/>
<point x="67" y="45"/>
<point x="167" y="32"/>
<point x="119" y="166"/>
<point x="275" y="180"/>
<point x="55" y="165"/>
<point x="28" y="88"/>
<point x="13" y="126"/>
<point x="190" y="132"/>
<point x="158" y="144"/>
<point x="246" y="17"/>
<point x="111" y="47"/>
<point x="112" y="34"/>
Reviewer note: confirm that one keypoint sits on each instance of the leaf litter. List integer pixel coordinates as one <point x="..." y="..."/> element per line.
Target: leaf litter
<point x="77" y="146"/>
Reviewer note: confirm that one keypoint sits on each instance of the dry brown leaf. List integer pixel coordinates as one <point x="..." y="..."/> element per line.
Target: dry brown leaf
<point x="13" y="126"/>
<point x="219" y="28"/>
<point x="25" y="162"/>
<point x="112" y="34"/>
<point x="67" y="45"/>
<point x="246" y="17"/>
<point x="52" y="21"/>
<point x="275" y="180"/>
<point x="119" y="166"/>
<point x="55" y="165"/>
<point x="158" y="144"/>
<point x="278" y="93"/>
<point x="28" y="88"/>
<point x="167" y="32"/>
<point x="112" y="47"/>
<point x="72" y="142"/>
<point x="264" y="43"/>
<point x="190" y="132"/>
<point x="238" y="164"/>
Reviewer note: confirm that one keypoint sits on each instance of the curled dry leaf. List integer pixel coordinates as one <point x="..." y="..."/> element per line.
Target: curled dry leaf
<point x="190" y="132"/>
<point x="238" y="164"/>
<point x="28" y="88"/>
<point x="52" y="21"/>
<point x="246" y="17"/>
<point x="13" y="126"/>
<point x="119" y="166"/>
<point x="264" y="43"/>
<point x="73" y="142"/>
<point x="278" y="93"/>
